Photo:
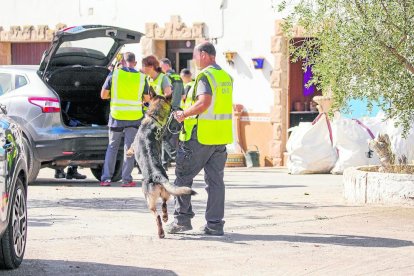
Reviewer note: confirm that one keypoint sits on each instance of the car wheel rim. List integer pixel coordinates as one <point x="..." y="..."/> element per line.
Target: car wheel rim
<point x="19" y="223"/>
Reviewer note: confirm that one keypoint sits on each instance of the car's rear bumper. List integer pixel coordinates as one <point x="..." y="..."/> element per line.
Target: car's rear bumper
<point x="83" y="151"/>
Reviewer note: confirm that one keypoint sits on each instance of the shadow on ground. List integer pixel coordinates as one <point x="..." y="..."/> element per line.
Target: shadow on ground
<point x="138" y="204"/>
<point x="60" y="267"/>
<point x="230" y="184"/>
<point x="246" y="209"/>
<point x="310" y="238"/>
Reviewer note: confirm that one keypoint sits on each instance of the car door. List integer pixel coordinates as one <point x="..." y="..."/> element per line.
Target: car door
<point x="10" y="81"/>
<point x="6" y="86"/>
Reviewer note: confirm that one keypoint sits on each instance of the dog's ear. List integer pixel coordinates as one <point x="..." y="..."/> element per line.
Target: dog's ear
<point x="168" y="98"/>
<point x="151" y="92"/>
<point x="158" y="98"/>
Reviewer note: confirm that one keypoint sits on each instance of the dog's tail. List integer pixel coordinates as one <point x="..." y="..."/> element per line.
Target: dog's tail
<point x="177" y="191"/>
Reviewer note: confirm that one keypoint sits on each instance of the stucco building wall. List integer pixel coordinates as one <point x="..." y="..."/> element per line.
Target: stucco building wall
<point x="249" y="28"/>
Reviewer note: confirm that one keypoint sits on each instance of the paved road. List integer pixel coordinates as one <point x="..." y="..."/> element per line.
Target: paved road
<point x="275" y="224"/>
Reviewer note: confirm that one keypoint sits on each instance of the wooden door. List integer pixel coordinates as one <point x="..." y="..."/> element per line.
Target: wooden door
<point x="28" y="53"/>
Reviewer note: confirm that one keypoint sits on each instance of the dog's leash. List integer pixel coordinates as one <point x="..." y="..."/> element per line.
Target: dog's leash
<point x="169" y="123"/>
<point x="161" y="129"/>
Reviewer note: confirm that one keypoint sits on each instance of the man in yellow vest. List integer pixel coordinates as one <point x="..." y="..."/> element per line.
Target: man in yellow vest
<point x="207" y="118"/>
<point x="125" y="87"/>
<point x="188" y="82"/>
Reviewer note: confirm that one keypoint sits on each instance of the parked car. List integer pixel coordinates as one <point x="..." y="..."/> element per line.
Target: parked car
<point x="58" y="104"/>
<point x="13" y="191"/>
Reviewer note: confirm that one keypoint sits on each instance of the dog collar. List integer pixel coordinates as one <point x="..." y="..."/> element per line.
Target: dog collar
<point x="160" y="128"/>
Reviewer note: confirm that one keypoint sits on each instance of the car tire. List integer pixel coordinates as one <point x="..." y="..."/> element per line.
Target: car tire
<point x="13" y="242"/>
<point x="33" y="166"/>
<point x="97" y="172"/>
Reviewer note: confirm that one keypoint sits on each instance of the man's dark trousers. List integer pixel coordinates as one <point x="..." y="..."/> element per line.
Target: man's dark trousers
<point x="191" y="158"/>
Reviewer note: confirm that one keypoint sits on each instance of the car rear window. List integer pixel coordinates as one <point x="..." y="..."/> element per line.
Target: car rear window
<point x="97" y="45"/>
<point x="20" y="81"/>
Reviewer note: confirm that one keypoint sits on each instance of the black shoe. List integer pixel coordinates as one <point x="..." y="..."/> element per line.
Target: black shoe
<point x="59" y="173"/>
<point x="213" y="232"/>
<point x="174" y="228"/>
<point x="73" y="173"/>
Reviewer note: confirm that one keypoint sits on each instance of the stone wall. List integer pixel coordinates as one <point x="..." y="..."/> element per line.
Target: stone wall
<point x="279" y="81"/>
<point x="27" y="33"/>
<point x="155" y="36"/>
<point x="279" y="84"/>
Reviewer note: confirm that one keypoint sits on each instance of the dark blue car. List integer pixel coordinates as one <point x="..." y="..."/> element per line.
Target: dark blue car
<point x="13" y="193"/>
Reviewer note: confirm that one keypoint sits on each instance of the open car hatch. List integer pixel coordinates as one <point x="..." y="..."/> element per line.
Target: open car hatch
<point x="88" y="45"/>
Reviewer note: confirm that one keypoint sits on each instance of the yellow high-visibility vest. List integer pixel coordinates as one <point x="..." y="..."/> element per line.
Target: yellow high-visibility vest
<point x="126" y="95"/>
<point x="214" y="126"/>
<point x="191" y="85"/>
<point x="156" y="84"/>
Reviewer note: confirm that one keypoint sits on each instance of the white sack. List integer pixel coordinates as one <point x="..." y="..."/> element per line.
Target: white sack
<point x="351" y="140"/>
<point x="310" y="148"/>
<point x="399" y="145"/>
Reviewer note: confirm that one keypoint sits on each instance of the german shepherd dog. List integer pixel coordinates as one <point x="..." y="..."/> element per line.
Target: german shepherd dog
<point x="147" y="150"/>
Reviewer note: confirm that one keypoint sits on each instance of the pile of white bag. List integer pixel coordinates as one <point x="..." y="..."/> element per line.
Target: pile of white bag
<point x="351" y="138"/>
<point x="324" y="146"/>
<point x="310" y="148"/>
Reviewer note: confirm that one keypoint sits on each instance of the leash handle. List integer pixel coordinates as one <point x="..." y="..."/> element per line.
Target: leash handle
<point x="169" y="123"/>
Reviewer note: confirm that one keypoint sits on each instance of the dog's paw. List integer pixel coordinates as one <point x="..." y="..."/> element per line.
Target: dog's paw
<point x="161" y="234"/>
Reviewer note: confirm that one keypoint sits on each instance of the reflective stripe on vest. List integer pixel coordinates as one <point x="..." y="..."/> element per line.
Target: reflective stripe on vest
<point x="214" y="126"/>
<point x="126" y="95"/>
<point x="156" y="84"/>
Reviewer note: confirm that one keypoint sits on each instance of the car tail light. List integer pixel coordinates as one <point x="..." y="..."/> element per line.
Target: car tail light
<point x="48" y="105"/>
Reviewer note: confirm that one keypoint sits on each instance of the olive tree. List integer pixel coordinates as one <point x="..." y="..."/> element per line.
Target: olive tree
<point x="360" y="49"/>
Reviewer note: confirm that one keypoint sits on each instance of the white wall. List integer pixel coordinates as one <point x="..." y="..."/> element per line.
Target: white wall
<point x="245" y="27"/>
<point x="248" y="27"/>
